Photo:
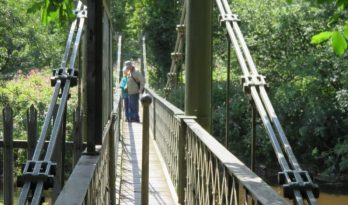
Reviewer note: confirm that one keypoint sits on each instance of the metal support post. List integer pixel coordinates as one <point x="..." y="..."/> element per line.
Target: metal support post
<point x="182" y="170"/>
<point x="145" y="101"/>
<point x="154" y="118"/>
<point x="8" y="156"/>
<point x="119" y="50"/>
<point x="94" y="74"/>
<point x="143" y="57"/>
<point x="112" y="165"/>
<point x="198" y="61"/>
<point x="59" y="155"/>
<point x="253" y="137"/>
<point x="228" y="92"/>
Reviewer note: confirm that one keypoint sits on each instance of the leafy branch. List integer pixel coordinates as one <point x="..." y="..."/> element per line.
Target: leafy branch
<point x="337" y="37"/>
<point x="58" y="12"/>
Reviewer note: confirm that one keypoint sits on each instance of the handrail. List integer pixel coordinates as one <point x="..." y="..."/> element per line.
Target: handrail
<point x="211" y="166"/>
<point x="91" y="180"/>
<point x="201" y="169"/>
<point x="296" y="182"/>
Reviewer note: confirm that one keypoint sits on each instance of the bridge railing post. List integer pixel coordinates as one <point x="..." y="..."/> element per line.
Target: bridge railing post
<point x="111" y="163"/>
<point x="182" y="172"/>
<point x="77" y="137"/>
<point x="8" y="155"/>
<point x="146" y="101"/>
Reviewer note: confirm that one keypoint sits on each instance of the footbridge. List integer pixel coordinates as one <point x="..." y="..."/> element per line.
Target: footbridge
<point x="170" y="157"/>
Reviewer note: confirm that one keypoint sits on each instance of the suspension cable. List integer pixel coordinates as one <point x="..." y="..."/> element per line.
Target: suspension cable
<point x="39" y="174"/>
<point x="177" y="55"/>
<point x="296" y="182"/>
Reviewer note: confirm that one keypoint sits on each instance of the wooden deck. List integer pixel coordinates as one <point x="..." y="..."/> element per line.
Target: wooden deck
<point x="129" y="187"/>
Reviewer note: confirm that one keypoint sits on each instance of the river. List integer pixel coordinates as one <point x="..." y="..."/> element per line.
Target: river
<point x="325" y="198"/>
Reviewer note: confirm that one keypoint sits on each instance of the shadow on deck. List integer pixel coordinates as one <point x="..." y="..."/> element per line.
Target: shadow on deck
<point x="129" y="188"/>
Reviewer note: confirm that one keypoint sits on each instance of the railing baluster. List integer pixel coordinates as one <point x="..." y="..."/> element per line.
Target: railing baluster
<point x="182" y="172"/>
<point x="111" y="161"/>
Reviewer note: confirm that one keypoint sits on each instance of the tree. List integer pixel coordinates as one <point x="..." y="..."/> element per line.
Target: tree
<point x="337" y="31"/>
<point x="24" y="42"/>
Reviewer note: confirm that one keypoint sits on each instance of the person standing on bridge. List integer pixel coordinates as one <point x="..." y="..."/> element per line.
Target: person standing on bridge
<point x="135" y="86"/>
<point x="123" y="86"/>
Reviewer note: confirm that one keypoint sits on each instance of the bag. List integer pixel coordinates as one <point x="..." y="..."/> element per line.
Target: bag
<point x="138" y="83"/>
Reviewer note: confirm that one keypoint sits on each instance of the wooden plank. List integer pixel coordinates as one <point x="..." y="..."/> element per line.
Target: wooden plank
<point x="130" y="185"/>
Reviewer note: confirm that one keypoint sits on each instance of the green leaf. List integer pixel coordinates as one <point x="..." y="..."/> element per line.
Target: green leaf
<point x="339" y="44"/>
<point x="323" y="36"/>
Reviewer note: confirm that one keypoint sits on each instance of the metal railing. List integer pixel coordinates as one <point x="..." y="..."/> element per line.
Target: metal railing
<point x="93" y="178"/>
<point x="163" y="122"/>
<point x="297" y="183"/>
<point x="201" y="169"/>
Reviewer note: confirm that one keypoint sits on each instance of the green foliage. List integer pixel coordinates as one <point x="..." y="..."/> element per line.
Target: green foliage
<point x="28" y="50"/>
<point x="336" y="22"/>
<point x="323" y="36"/>
<point x="59" y="12"/>
<point x="26" y="90"/>
<point x="339" y="44"/>
<point x="154" y="19"/>
<point x="338" y="40"/>
<point x="24" y="42"/>
<point x="308" y="85"/>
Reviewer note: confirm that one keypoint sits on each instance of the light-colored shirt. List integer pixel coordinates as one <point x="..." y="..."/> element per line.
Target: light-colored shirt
<point x="134" y="78"/>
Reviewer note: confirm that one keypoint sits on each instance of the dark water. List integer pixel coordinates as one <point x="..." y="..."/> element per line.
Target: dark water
<point x="326" y="198"/>
<point x="332" y="199"/>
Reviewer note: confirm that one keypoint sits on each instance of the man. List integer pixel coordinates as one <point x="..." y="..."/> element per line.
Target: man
<point x="135" y="86"/>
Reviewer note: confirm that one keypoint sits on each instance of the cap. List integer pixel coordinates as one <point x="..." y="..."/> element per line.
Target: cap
<point x="128" y="63"/>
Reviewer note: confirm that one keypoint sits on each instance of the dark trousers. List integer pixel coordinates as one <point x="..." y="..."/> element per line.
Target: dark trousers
<point x="126" y="108"/>
<point x="134" y="107"/>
